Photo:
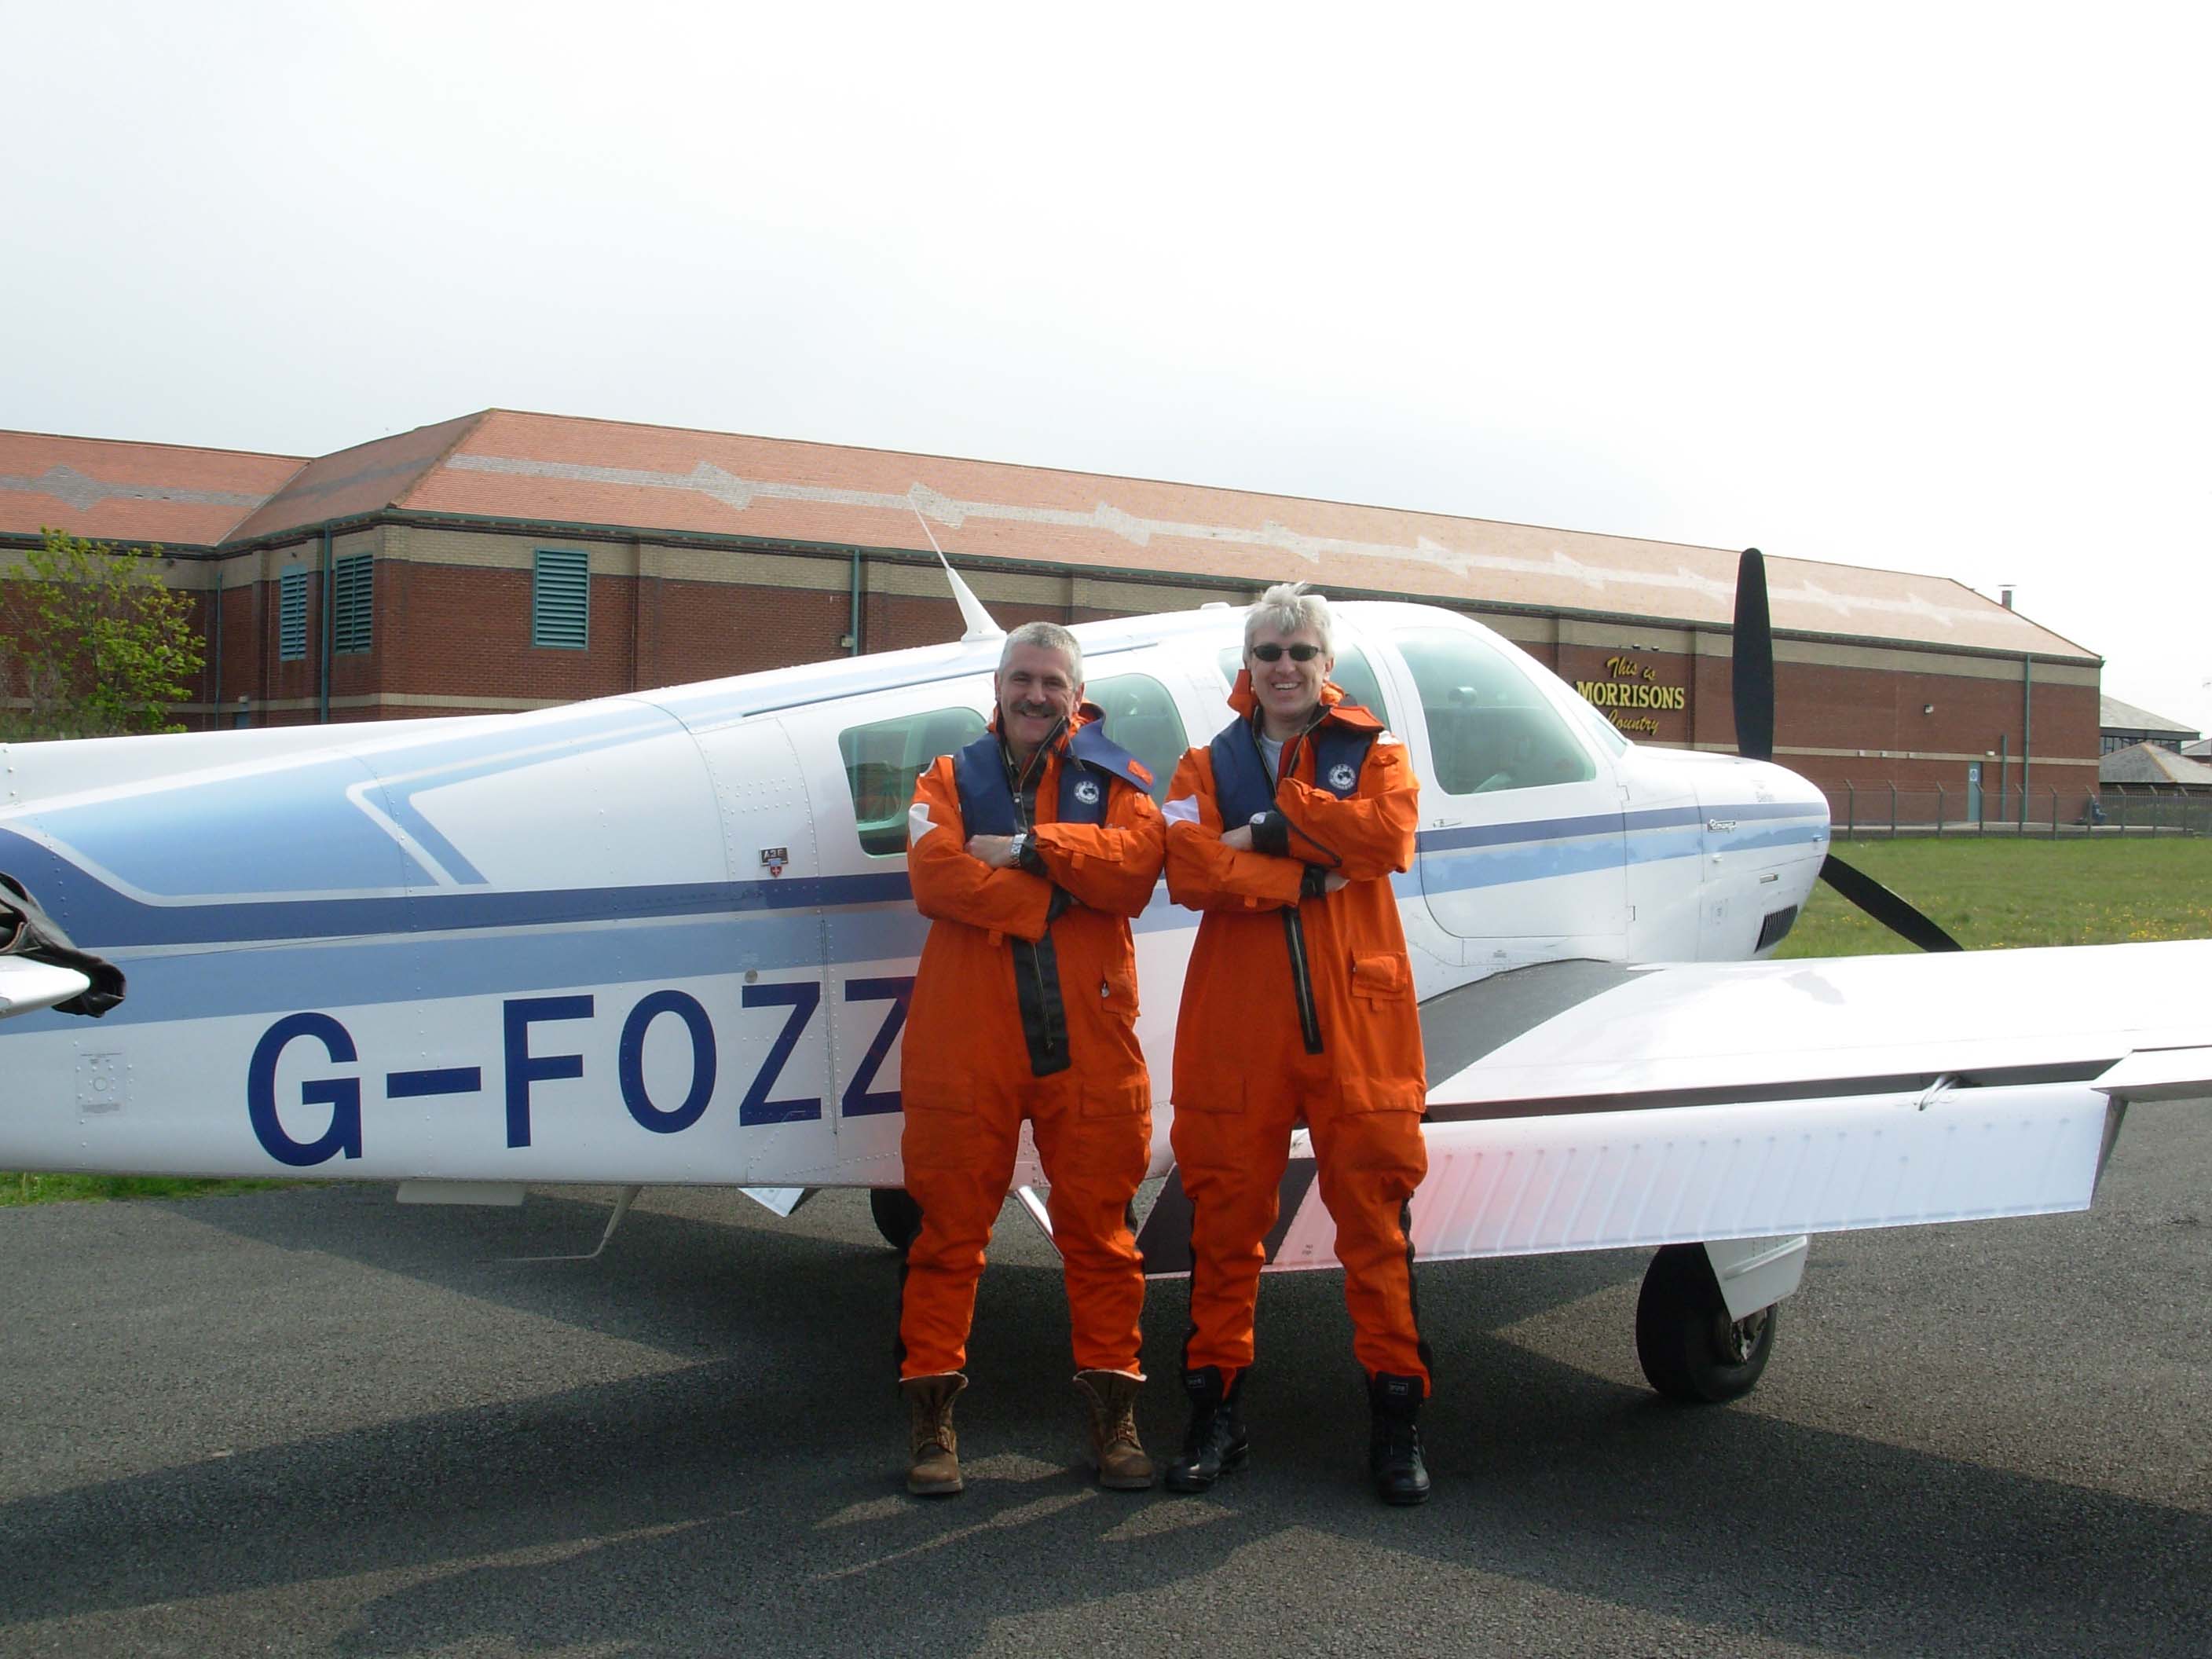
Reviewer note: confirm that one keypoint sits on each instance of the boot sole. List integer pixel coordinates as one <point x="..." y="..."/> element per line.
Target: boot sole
<point x="1124" y="1483"/>
<point x="1230" y="1463"/>
<point x="936" y="1488"/>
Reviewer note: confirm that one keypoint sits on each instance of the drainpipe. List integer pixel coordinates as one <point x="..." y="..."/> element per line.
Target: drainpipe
<point x="2026" y="729"/>
<point x="852" y="611"/>
<point x="215" y="692"/>
<point x="330" y="628"/>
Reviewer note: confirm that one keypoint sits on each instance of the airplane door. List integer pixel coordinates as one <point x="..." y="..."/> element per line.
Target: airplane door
<point x="1522" y="839"/>
<point x="765" y="1000"/>
<point x="861" y="756"/>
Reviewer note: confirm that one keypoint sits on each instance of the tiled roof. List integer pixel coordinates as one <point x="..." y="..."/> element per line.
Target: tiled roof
<point x="2118" y="716"/>
<point x="131" y="494"/>
<point x="603" y="472"/>
<point x="563" y="471"/>
<point x="355" y="481"/>
<point x="2150" y="763"/>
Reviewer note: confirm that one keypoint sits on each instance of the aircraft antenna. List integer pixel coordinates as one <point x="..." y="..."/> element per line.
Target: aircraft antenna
<point x="980" y="625"/>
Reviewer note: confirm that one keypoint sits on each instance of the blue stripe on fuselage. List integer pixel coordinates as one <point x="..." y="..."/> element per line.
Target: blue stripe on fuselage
<point x="98" y="918"/>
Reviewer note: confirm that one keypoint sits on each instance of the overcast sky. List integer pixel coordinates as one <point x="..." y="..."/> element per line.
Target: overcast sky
<point x="1916" y="287"/>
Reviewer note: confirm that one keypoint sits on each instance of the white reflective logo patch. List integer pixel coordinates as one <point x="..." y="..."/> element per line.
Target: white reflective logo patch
<point x="1341" y="776"/>
<point x="1086" y="790"/>
<point x="1181" y="810"/>
<point x="917" y="823"/>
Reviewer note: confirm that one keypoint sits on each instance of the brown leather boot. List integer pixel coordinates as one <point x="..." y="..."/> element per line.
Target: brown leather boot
<point x="1110" y="1397"/>
<point x="934" y="1471"/>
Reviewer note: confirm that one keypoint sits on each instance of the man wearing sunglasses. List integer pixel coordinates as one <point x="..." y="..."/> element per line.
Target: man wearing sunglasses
<point x="1297" y="1008"/>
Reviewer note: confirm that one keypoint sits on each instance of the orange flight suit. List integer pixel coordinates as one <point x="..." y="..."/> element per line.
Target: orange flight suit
<point x="968" y="1077"/>
<point x="1243" y="1075"/>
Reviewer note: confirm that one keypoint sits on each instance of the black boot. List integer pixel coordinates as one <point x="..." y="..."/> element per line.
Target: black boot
<point x="1394" y="1447"/>
<point x="1216" y="1442"/>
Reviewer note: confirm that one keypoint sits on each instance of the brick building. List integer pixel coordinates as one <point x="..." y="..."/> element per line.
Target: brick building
<point x="503" y="561"/>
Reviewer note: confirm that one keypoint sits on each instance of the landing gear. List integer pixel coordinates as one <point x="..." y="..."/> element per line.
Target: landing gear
<point x="898" y="1218"/>
<point x="1689" y="1348"/>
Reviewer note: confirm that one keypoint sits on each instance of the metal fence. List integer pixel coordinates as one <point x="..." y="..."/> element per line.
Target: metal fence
<point x="1882" y="809"/>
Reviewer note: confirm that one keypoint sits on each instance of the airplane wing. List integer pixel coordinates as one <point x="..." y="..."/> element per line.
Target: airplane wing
<point x="1585" y="1105"/>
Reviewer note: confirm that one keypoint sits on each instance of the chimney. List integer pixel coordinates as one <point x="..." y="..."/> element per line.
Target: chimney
<point x="2004" y="598"/>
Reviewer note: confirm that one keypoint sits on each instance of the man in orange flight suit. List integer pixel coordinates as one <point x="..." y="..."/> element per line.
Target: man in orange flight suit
<point x="1298" y="1006"/>
<point x="1029" y="850"/>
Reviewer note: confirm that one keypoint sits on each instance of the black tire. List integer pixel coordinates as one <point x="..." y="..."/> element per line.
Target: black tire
<point x="898" y="1218"/>
<point x="1689" y="1347"/>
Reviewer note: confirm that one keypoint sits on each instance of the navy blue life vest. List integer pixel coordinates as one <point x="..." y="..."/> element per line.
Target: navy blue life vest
<point x="1240" y="773"/>
<point x="987" y="803"/>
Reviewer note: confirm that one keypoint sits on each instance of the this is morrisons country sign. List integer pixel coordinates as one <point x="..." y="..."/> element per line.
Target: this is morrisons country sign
<point x="1633" y="686"/>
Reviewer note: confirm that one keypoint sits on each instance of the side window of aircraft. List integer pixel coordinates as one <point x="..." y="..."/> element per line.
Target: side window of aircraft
<point x="882" y="762"/>
<point x="1490" y="728"/>
<point x="1352" y="672"/>
<point x="1141" y="717"/>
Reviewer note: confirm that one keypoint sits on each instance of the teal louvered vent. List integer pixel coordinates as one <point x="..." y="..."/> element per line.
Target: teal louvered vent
<point x="561" y="600"/>
<point x="352" y="588"/>
<point x="292" y="614"/>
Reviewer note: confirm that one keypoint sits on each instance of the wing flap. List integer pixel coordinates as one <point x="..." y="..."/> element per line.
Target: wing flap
<point x="2160" y="1074"/>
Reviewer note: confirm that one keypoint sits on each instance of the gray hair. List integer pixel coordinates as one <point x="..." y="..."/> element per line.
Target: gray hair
<point x="1049" y="636"/>
<point x="1287" y="608"/>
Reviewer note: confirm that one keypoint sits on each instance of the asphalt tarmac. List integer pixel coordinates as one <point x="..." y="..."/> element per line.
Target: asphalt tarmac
<point x="314" y="1422"/>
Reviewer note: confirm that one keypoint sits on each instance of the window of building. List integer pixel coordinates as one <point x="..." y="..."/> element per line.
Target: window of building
<point x="1352" y="673"/>
<point x="352" y="588"/>
<point x="1490" y="727"/>
<point x="292" y="614"/>
<point x="1142" y="718"/>
<point x="883" y="760"/>
<point x="561" y="598"/>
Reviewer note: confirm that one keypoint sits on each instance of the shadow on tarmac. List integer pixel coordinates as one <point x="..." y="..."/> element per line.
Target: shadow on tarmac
<point x="750" y="1498"/>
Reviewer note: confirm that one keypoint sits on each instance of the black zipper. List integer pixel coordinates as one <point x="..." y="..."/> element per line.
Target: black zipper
<point x="1044" y="1024"/>
<point x="1294" y="930"/>
<point x="1294" y="933"/>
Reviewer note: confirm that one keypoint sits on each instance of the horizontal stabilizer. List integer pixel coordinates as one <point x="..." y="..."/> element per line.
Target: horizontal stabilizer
<point x="26" y="986"/>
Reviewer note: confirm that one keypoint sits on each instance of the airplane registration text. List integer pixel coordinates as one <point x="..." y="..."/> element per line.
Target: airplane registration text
<point x="538" y="1044"/>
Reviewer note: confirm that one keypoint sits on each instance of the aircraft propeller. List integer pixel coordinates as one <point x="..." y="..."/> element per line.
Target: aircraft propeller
<point x="1753" y="688"/>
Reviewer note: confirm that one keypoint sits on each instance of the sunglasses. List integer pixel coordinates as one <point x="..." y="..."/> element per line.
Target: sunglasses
<point x="1274" y="652"/>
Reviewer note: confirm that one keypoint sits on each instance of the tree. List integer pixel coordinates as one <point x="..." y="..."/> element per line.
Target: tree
<point x="103" y="647"/>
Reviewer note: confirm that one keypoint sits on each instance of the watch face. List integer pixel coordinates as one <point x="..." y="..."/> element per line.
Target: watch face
<point x="1258" y="817"/>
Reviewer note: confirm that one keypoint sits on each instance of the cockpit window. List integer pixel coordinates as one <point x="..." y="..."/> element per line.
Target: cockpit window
<point x="1352" y="672"/>
<point x="1490" y="727"/>
<point x="1141" y="717"/>
<point x="882" y="762"/>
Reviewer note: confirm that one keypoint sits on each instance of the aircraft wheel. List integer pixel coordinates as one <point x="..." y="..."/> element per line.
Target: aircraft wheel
<point x="1689" y="1347"/>
<point x="898" y="1218"/>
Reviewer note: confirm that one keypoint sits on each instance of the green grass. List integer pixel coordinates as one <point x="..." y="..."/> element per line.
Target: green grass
<point x="1992" y="895"/>
<point x="19" y="1187"/>
<point x="1988" y="895"/>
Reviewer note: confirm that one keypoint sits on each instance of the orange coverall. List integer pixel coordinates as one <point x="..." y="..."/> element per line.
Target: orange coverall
<point x="1243" y="1078"/>
<point x="967" y="1073"/>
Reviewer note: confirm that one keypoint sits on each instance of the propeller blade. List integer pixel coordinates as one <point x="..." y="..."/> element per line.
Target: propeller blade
<point x="1885" y="907"/>
<point x="1752" y="678"/>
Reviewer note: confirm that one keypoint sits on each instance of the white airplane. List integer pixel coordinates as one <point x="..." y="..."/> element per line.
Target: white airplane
<point x="668" y="938"/>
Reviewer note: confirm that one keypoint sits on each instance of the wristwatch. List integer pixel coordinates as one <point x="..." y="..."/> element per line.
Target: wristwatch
<point x="1020" y="846"/>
